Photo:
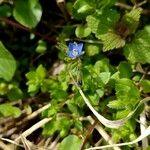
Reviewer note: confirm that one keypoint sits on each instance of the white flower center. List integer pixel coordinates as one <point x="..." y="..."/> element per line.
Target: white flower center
<point x="75" y="53"/>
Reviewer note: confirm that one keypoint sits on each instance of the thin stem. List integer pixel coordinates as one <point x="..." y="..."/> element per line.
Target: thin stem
<point x="128" y="7"/>
<point x="89" y="133"/>
<point x="19" y="26"/>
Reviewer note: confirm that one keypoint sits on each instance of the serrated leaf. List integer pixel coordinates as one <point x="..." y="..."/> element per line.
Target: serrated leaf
<point x="122" y="113"/>
<point x="72" y="140"/>
<point x="27" y="12"/>
<point x="139" y="49"/>
<point x="125" y="70"/>
<point x="9" y="110"/>
<point x="111" y="40"/>
<point x="131" y="19"/>
<point x="145" y="86"/>
<point x="82" y="31"/>
<point x="7" y="63"/>
<point x="103" y="78"/>
<point x="116" y="104"/>
<point x="93" y="22"/>
<point x="127" y="92"/>
<point x="101" y="22"/>
<point x="127" y="96"/>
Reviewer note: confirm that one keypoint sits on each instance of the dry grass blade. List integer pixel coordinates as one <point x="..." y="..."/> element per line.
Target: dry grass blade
<point x="33" y="128"/>
<point x="141" y="137"/>
<point x="103" y="120"/>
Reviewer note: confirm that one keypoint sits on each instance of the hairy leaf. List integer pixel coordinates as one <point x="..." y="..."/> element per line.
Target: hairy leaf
<point x="101" y="22"/>
<point x="131" y="19"/>
<point x="111" y="40"/>
<point x="139" y="49"/>
<point x="116" y="104"/>
<point x="127" y="92"/>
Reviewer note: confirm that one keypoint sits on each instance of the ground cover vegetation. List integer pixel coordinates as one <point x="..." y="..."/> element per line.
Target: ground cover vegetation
<point x="74" y="74"/>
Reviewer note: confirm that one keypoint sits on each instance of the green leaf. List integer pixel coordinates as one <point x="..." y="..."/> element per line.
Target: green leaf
<point x="71" y="141"/>
<point x="82" y="31"/>
<point x="3" y="88"/>
<point x="31" y="75"/>
<point x="50" y="128"/>
<point x="7" y="64"/>
<point x="33" y="89"/>
<point x="94" y="98"/>
<point x="61" y="125"/>
<point x="41" y="48"/>
<point x="127" y="92"/>
<point x="139" y="49"/>
<point x="125" y="70"/>
<point x="111" y="40"/>
<point x="5" y="10"/>
<point x="78" y="125"/>
<point x="100" y="92"/>
<point x="58" y="94"/>
<point x="9" y="110"/>
<point x="27" y="12"/>
<point x="122" y="113"/>
<point x="37" y="81"/>
<point x="93" y="22"/>
<point x="15" y="94"/>
<point x="41" y="72"/>
<point x="116" y="104"/>
<point x="106" y="3"/>
<point x="82" y="8"/>
<point x="102" y="66"/>
<point x="131" y="19"/>
<point x="74" y="108"/>
<point x="92" y="49"/>
<point x="101" y="22"/>
<point x="103" y="78"/>
<point x="145" y="86"/>
<point x="64" y="126"/>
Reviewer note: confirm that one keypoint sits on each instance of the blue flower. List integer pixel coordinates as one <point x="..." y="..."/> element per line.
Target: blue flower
<point x="75" y="50"/>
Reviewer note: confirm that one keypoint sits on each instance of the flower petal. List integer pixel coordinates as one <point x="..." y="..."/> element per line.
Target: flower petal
<point x="74" y="50"/>
<point x="79" y="48"/>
